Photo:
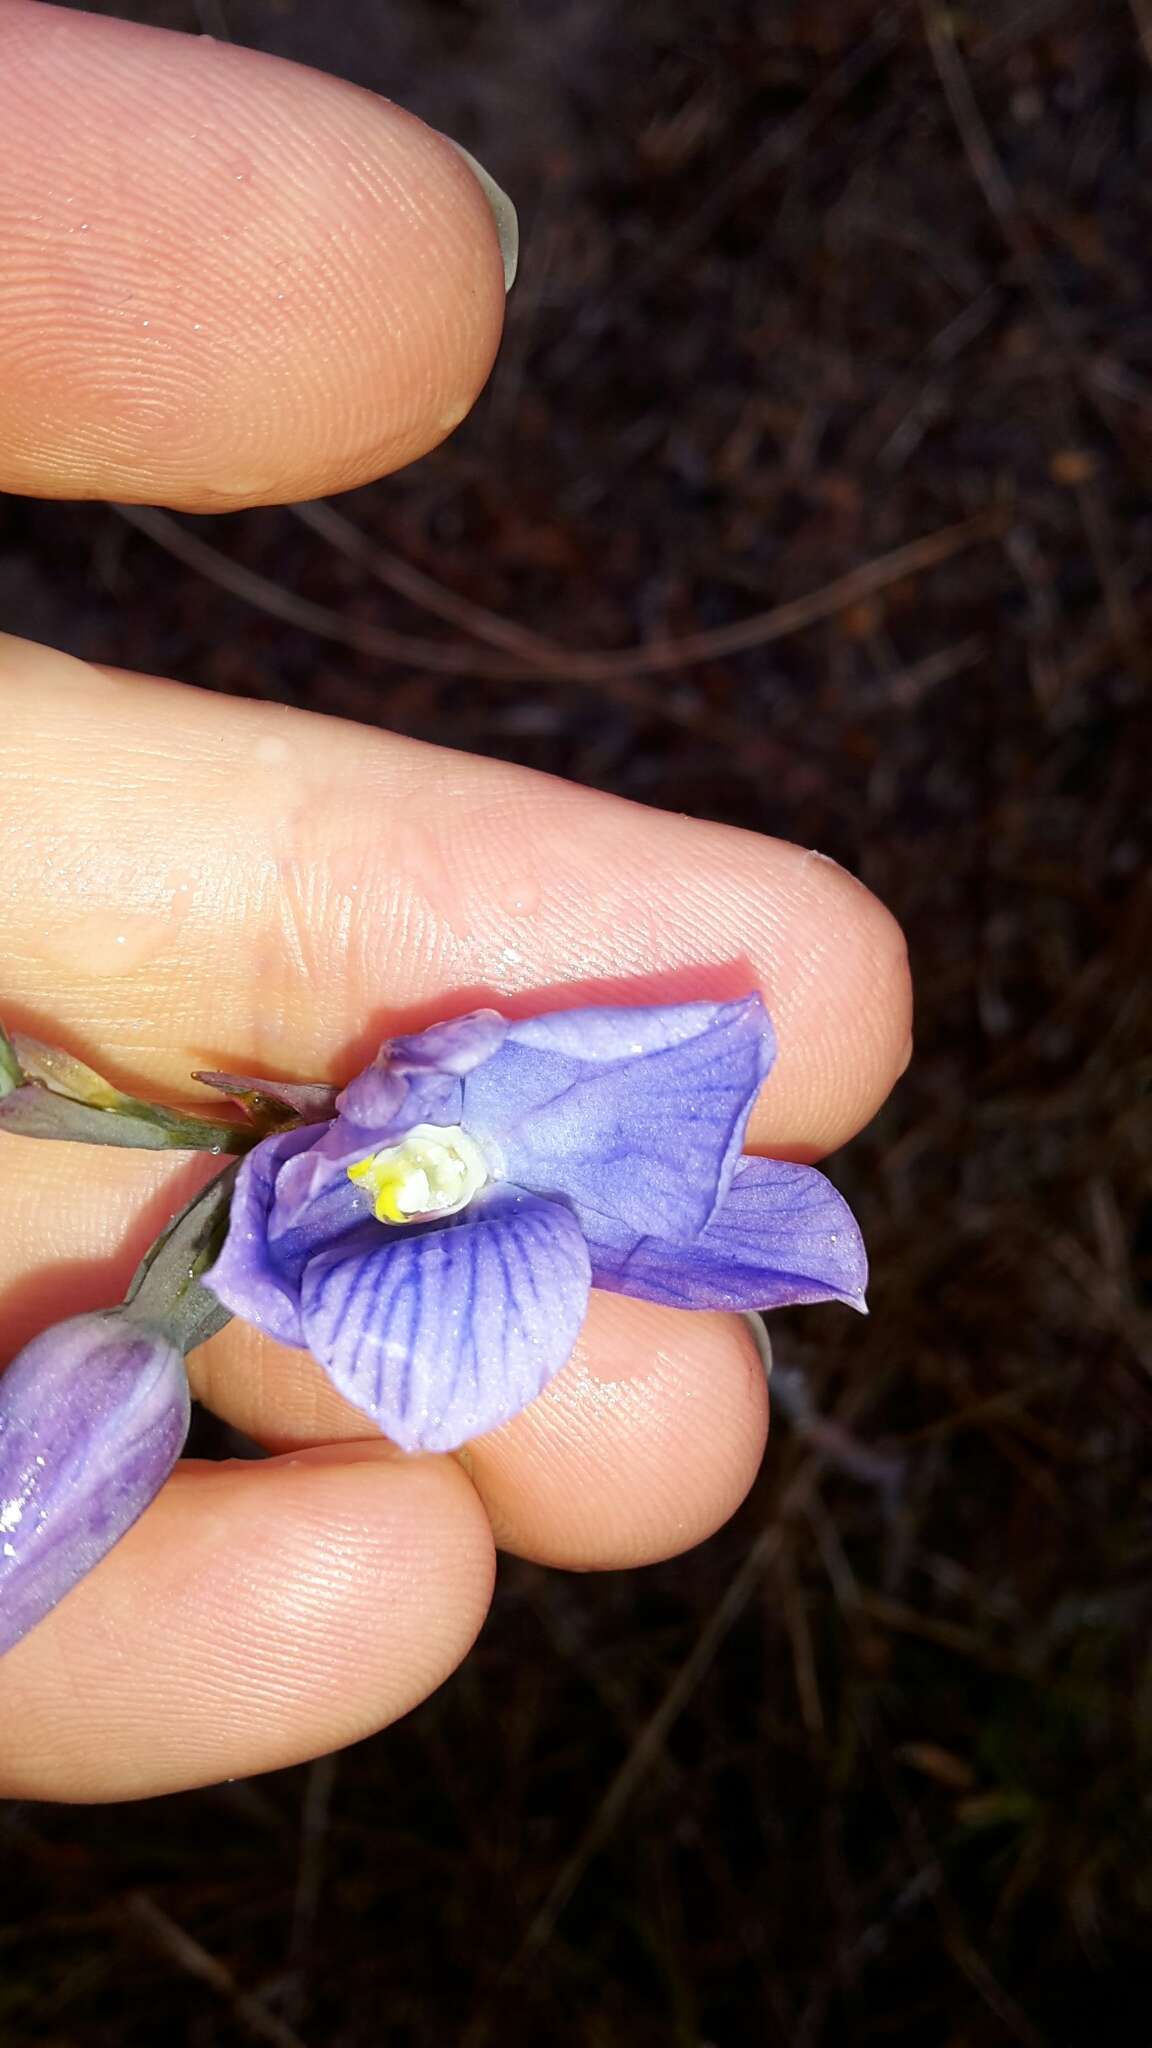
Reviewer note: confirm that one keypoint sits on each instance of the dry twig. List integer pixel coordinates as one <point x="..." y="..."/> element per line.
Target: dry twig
<point x="613" y="671"/>
<point x="194" y="1959"/>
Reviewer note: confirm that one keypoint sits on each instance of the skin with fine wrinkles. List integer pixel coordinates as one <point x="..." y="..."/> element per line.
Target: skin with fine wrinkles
<point x="366" y="879"/>
<point x="202" y="215"/>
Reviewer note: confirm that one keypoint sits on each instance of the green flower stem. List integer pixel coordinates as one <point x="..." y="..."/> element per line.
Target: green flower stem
<point x="47" y="1093"/>
<point x="10" y="1074"/>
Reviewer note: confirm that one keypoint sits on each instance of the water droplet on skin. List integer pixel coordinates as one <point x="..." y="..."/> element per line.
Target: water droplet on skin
<point x="179" y="885"/>
<point x="273" y="752"/>
<point x="87" y="946"/>
<point x="451" y="418"/>
<point x="106" y="943"/>
<point x="521" y="901"/>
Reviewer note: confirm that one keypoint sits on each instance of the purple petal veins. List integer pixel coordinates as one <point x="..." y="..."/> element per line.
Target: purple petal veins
<point x="444" y="1333"/>
<point x="93" y="1415"/>
<point x="245" y="1277"/>
<point x="646" y="1127"/>
<point x="782" y="1235"/>
<point x="612" y="1142"/>
<point x="455" y="1047"/>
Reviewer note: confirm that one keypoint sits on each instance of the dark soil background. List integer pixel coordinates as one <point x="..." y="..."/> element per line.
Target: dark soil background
<point x="801" y="286"/>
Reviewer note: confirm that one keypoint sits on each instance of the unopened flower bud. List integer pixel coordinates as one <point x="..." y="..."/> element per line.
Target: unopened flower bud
<point x="93" y="1415"/>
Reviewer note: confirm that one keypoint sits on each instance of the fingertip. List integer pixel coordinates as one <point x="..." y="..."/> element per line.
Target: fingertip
<point x="642" y="1447"/>
<point x="258" y="1614"/>
<point x="839" y="990"/>
<point x="230" y="280"/>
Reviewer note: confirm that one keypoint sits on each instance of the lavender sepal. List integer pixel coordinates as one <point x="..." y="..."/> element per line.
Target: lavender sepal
<point x="308" y="1102"/>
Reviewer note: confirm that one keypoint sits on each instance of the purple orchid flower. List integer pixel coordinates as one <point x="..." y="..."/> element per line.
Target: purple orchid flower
<point x="434" y="1242"/>
<point x="93" y="1414"/>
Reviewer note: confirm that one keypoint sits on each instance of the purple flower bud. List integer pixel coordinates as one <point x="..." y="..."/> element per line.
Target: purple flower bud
<point x="93" y="1414"/>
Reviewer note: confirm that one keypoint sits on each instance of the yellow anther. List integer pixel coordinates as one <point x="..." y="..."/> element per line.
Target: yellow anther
<point x="434" y="1171"/>
<point x="383" y="1181"/>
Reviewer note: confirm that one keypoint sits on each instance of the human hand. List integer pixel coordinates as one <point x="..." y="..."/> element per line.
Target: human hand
<point x="193" y="882"/>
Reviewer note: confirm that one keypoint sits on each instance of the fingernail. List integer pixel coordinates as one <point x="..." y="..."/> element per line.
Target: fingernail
<point x="763" y="1342"/>
<point x="503" y="212"/>
<point x="354" y="1450"/>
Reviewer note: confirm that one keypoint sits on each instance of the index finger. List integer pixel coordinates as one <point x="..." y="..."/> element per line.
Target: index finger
<point x="194" y="882"/>
<point x="224" y="279"/>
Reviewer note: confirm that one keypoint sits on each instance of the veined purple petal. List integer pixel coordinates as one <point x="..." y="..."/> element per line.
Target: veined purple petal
<point x="415" y="1098"/>
<point x="783" y="1235"/>
<point x="245" y="1277"/>
<point x="621" y="1033"/>
<point x="93" y="1415"/>
<point x="312" y="1177"/>
<point x="374" y="1097"/>
<point x="414" y="1080"/>
<point x="296" y="1233"/>
<point x="646" y="1139"/>
<point x="440" y="1334"/>
<point x="455" y="1047"/>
